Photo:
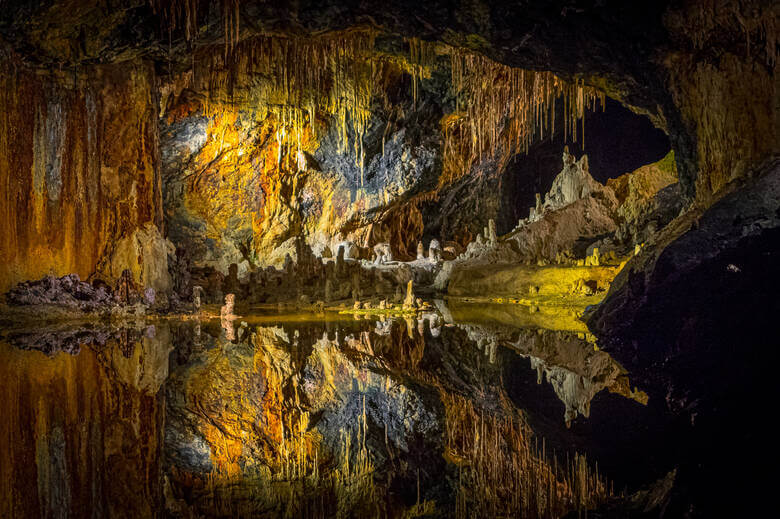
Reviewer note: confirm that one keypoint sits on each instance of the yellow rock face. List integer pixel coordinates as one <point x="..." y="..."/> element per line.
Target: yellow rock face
<point x="516" y="280"/>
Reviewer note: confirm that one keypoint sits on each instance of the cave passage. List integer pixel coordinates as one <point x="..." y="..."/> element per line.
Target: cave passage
<point x="357" y="259"/>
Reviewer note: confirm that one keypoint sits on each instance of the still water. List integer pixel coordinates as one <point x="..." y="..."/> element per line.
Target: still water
<point x="469" y="411"/>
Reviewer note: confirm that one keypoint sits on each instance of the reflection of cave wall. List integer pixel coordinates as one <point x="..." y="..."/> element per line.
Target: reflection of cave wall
<point x="82" y="433"/>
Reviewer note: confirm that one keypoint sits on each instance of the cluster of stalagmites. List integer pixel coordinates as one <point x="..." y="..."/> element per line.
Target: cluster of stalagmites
<point x="399" y="302"/>
<point x="581" y="222"/>
<point x="312" y="280"/>
<point x="307" y="280"/>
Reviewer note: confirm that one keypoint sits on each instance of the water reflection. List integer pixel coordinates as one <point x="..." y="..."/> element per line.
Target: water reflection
<point x="81" y="429"/>
<point x="286" y="415"/>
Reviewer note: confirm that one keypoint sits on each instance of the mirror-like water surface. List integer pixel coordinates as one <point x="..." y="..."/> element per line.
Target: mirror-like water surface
<point x="471" y="411"/>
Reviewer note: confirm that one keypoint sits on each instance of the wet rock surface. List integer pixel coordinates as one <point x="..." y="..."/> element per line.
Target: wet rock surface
<point x="698" y="328"/>
<point x="128" y="130"/>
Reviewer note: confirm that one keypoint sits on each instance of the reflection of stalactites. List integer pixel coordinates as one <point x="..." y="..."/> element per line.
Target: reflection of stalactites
<point x="505" y="468"/>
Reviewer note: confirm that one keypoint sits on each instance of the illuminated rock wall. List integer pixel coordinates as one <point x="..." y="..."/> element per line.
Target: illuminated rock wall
<point x="243" y="177"/>
<point x="78" y="168"/>
<point x="727" y="98"/>
<point x="355" y="146"/>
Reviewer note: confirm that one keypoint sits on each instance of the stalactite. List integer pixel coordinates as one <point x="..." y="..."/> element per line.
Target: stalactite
<point x="296" y="79"/>
<point x="708" y="19"/>
<point x="183" y="15"/>
<point x="421" y="57"/>
<point x="178" y="14"/>
<point x="504" y="106"/>
<point x="230" y="12"/>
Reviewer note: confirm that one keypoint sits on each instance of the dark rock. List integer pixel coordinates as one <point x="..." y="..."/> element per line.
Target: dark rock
<point x="68" y="291"/>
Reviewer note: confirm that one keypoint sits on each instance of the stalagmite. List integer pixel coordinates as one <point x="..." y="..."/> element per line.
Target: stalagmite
<point x="383" y="253"/>
<point x="434" y="251"/>
<point x="226" y="312"/>
<point x="491" y="233"/>
<point x="197" y="293"/>
<point x="230" y="285"/>
<point x="328" y="290"/>
<point x="356" y="285"/>
<point x="420" y="251"/>
<point x="340" y="261"/>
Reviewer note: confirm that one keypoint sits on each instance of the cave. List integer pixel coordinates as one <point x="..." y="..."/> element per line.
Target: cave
<point x="350" y="258"/>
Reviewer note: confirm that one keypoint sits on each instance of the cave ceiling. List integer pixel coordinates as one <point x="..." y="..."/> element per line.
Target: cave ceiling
<point x="614" y="45"/>
<point x="629" y="50"/>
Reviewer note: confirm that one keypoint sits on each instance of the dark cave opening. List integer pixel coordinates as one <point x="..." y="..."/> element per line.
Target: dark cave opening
<point x="610" y="153"/>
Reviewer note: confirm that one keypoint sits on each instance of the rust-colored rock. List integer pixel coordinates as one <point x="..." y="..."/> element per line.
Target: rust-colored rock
<point x="78" y="167"/>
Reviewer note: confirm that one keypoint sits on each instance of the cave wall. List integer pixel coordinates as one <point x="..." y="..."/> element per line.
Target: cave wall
<point x="78" y="167"/>
<point x="728" y="104"/>
<point x="701" y="71"/>
<point x="242" y="181"/>
<point x="237" y="191"/>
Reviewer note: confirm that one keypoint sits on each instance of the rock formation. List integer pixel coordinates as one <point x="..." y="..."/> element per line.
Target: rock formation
<point x="67" y="291"/>
<point x="383" y="254"/>
<point x="149" y="146"/>
<point x="434" y="251"/>
<point x="197" y="293"/>
<point x="226" y="313"/>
